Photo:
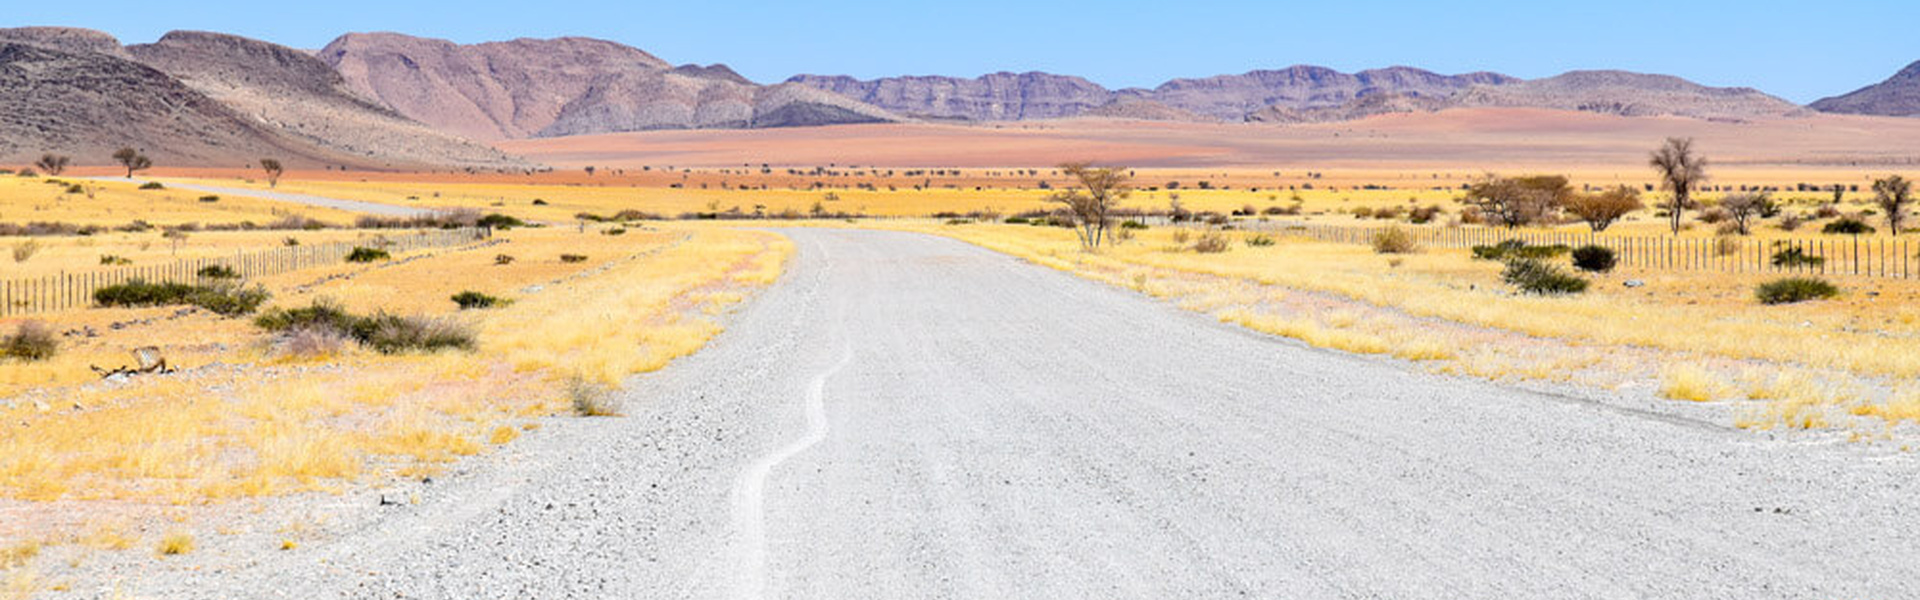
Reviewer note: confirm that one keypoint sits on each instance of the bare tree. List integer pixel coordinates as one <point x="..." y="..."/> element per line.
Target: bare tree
<point x="1680" y="172"/>
<point x="1600" y="210"/>
<point x="52" y="164"/>
<point x="1514" y="201"/>
<point x="1091" y="203"/>
<point x="273" y="169"/>
<point x="132" y="159"/>
<point x="1893" y="194"/>
<point x="1742" y="207"/>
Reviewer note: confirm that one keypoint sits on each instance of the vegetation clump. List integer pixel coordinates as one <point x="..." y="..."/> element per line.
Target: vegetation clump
<point x="1847" y="226"/>
<point x="363" y="254"/>
<point x="470" y="299"/>
<point x="218" y="272"/>
<point x="1394" y="240"/>
<point x="1535" y="276"/>
<point x="224" y="299"/>
<point x="590" y="398"/>
<point x="31" y="341"/>
<point x="573" y="258"/>
<point x="1211" y="242"/>
<point x="383" y="332"/>
<point x="152" y="185"/>
<point x="1795" y="257"/>
<point x="1510" y="249"/>
<point x="1259" y="240"/>
<point x="500" y="221"/>
<point x="1794" y="289"/>
<point x="1594" y="259"/>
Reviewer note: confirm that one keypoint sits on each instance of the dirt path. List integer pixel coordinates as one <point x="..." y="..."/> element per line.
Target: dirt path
<point x="906" y="416"/>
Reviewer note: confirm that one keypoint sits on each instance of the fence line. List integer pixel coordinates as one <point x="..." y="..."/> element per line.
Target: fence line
<point x="73" y="290"/>
<point x="1872" y="257"/>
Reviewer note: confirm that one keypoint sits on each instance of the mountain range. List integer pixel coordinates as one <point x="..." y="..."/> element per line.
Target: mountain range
<point x="393" y="101"/>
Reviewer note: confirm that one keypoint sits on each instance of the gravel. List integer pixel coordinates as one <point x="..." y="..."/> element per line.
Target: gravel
<point x="907" y="416"/>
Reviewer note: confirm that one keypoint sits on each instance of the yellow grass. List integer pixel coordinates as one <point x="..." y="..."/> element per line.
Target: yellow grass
<point x="30" y="199"/>
<point x="1693" y="384"/>
<point x="174" y="543"/>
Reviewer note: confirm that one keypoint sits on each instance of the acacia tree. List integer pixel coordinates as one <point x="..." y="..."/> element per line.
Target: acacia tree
<point x="1893" y="194"/>
<point x="1744" y="206"/>
<point x="1601" y="210"/>
<point x="52" y="164"/>
<point x="132" y="159"/>
<point x="1514" y="201"/>
<point x="1680" y="172"/>
<point x="273" y="169"/>
<point x="1090" y="204"/>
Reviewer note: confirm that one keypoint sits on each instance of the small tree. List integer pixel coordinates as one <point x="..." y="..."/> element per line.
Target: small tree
<point x="1601" y="210"/>
<point x="1893" y="194"/>
<point x="52" y="164"/>
<point x="1680" y="172"/>
<point x="273" y="169"/>
<point x="1091" y="203"/>
<point x="1742" y="207"/>
<point x="1514" y="201"/>
<point x="132" y="159"/>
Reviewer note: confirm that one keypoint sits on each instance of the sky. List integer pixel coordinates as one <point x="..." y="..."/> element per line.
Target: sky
<point x="1801" y="51"/>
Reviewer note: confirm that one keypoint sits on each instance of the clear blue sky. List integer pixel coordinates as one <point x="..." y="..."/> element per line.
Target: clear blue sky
<point x="1798" y="50"/>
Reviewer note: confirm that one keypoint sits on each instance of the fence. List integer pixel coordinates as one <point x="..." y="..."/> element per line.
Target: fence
<point x="1871" y="257"/>
<point x="73" y="290"/>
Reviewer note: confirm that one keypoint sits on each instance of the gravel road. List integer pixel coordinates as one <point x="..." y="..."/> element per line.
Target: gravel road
<point x="373" y="208"/>
<point x="907" y="416"/>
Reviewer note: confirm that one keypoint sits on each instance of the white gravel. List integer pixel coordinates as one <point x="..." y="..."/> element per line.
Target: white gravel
<point x="906" y="416"/>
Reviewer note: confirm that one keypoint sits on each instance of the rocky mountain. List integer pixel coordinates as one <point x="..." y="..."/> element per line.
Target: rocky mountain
<point x="305" y="99"/>
<point x="1358" y="108"/>
<point x="567" y="86"/>
<point x="1233" y="97"/>
<point x="69" y="39"/>
<point x="1898" y="96"/>
<point x="1630" y="94"/>
<point x="1146" y="110"/>
<point x="996" y="97"/>
<point x="86" y="104"/>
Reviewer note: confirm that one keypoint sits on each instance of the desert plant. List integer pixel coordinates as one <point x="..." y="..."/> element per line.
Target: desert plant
<point x="590" y="398"/>
<point x="224" y="299"/>
<point x="385" y="333"/>
<point x="133" y="160"/>
<point x="114" y="260"/>
<point x="1259" y="240"/>
<point x="209" y="198"/>
<point x="53" y="164"/>
<point x="1594" y="259"/>
<point x="309" y="343"/>
<point x="1847" y="226"/>
<point x="273" y="169"/>
<point x="1892" y="195"/>
<point x="30" y="341"/>
<point x="1791" y="222"/>
<point x="573" y="258"/>
<point x="218" y="272"/>
<point x="1727" y="245"/>
<point x="1794" y="289"/>
<point x="500" y="221"/>
<point x="174" y="543"/>
<point x="1680" y="171"/>
<point x="1091" y="203"/>
<point x="615" y="231"/>
<point x="471" y="299"/>
<point x="1514" y="201"/>
<point x="503" y="259"/>
<point x="1794" y="257"/>
<point x="1211" y="242"/>
<point x="1741" y="208"/>
<point x="1394" y="240"/>
<point x="1518" y="249"/>
<point x="363" y="254"/>
<point x="1535" y="276"/>
<point x="24" y="250"/>
<point x="152" y="185"/>
<point x="1132" y="224"/>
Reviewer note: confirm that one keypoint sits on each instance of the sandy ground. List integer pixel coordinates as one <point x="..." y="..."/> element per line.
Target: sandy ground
<point x="1487" y="138"/>
<point x="906" y="416"/>
<point x="386" y="210"/>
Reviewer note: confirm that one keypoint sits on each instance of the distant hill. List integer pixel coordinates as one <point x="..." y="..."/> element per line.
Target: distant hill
<point x="567" y="86"/>
<point x="305" y="99"/>
<point x="1630" y="94"/>
<point x="1898" y="96"/>
<point x="993" y="97"/>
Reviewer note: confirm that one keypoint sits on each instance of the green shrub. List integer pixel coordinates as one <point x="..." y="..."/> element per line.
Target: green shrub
<point x="1795" y="257"/>
<point x="76" y="189"/>
<point x="218" y="272"/>
<point x="31" y="341"/>
<point x="615" y="231"/>
<point x="1017" y="221"/>
<point x="1259" y="240"/>
<point x="209" y="198"/>
<point x="383" y="332"/>
<point x="1794" y="289"/>
<point x="1594" y="259"/>
<point x="224" y="299"/>
<point x="573" y="258"/>
<point x="1128" y="224"/>
<point x="1535" y="276"/>
<point x="1519" y="249"/>
<point x="114" y="260"/>
<point x="503" y="259"/>
<point x="362" y="254"/>
<point x="959" y="221"/>
<point x="1497" y="251"/>
<point x="471" y="299"/>
<point x="1847" y="226"/>
<point x="152" y="185"/>
<point x="500" y="221"/>
<point x="1394" y="240"/>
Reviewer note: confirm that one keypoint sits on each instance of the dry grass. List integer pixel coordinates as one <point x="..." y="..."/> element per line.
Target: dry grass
<point x="174" y="543"/>
<point x="1693" y="384"/>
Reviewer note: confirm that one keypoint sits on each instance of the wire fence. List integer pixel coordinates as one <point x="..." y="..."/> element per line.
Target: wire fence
<point x="1843" y="255"/>
<point x="74" y="290"/>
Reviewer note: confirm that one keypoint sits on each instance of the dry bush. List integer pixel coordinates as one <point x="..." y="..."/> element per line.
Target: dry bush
<point x="25" y="250"/>
<point x="591" y="398"/>
<point x="1727" y="245"/>
<point x="1211" y="242"/>
<point x="32" y="340"/>
<point x="1394" y="240"/>
<point x="312" y="343"/>
<point x="174" y="544"/>
<point x="1180" y="236"/>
